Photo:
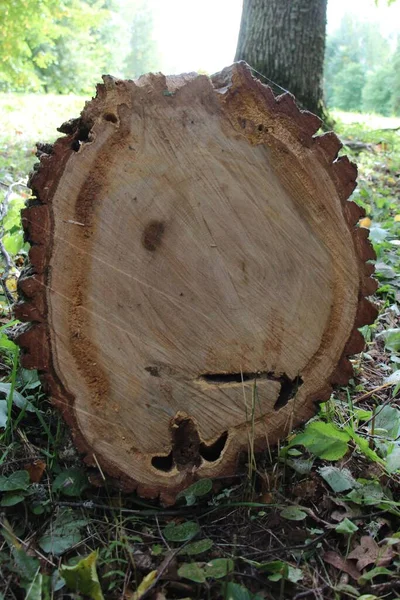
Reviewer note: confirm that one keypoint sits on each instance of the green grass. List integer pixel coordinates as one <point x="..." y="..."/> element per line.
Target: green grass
<point x="328" y="492"/>
<point x="27" y="119"/>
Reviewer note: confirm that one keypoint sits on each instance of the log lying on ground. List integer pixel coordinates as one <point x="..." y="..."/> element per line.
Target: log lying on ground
<point x="197" y="274"/>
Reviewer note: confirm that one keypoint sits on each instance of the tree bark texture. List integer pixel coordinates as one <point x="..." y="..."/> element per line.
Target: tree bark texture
<point x="197" y="275"/>
<point x="284" y="40"/>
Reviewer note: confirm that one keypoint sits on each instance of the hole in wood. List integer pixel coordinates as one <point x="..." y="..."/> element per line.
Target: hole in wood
<point x="186" y="443"/>
<point x="152" y="235"/>
<point x="289" y="389"/>
<point x="154" y="371"/>
<point x="213" y="452"/>
<point x="110" y="117"/>
<point x="81" y="136"/>
<point x="163" y="463"/>
<point x="185" y="452"/>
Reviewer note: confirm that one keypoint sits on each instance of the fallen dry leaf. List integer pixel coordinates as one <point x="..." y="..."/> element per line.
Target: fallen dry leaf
<point x="368" y="552"/>
<point x="305" y="489"/>
<point x="35" y="470"/>
<point x="337" y="561"/>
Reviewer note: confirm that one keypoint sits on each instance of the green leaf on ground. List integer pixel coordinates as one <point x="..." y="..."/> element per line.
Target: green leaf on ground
<point x="197" y="547"/>
<point x="19" y="480"/>
<point x="218" y="568"/>
<point x="3" y="414"/>
<point x="18" y="399"/>
<point x="387" y="420"/>
<point x="63" y="533"/>
<point x="375" y="572"/>
<point x="71" y="482"/>
<point x="393" y="460"/>
<point x="280" y="569"/>
<point x="369" y="493"/>
<point x="182" y="532"/>
<point x="346" y="527"/>
<point x="11" y="499"/>
<point x="293" y="513"/>
<point x="324" y="440"/>
<point x="391" y="338"/>
<point x="338" y="479"/>
<point x="26" y="566"/>
<point x="234" y="591"/>
<point x="193" y="572"/>
<point x="196" y="490"/>
<point x="83" y="578"/>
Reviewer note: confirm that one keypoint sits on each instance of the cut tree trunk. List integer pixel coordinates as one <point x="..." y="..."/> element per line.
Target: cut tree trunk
<point x="197" y="275"/>
<point x="285" y="42"/>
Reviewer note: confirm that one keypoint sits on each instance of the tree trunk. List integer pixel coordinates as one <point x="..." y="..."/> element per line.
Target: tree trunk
<point x="197" y="276"/>
<point x="285" y="42"/>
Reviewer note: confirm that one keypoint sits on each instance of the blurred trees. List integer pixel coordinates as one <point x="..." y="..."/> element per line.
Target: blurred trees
<point x="65" y="46"/>
<point x="44" y="42"/>
<point x="142" y="56"/>
<point x="362" y="69"/>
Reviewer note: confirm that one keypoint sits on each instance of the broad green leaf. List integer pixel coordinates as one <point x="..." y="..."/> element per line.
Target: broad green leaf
<point x="192" y="571"/>
<point x="279" y="569"/>
<point x="234" y="591"/>
<point x="324" y="440"/>
<point x="157" y="549"/>
<point x="374" y="573"/>
<point x="13" y="216"/>
<point x="394" y="378"/>
<point x="35" y="588"/>
<point x="393" y="460"/>
<point x="82" y="577"/>
<point x="345" y="588"/>
<point x="300" y="465"/>
<point x="293" y="513"/>
<point x="363" y="415"/>
<point x="19" y="480"/>
<point x="71" y="482"/>
<point x="57" y="543"/>
<point x="346" y="527"/>
<point x="368" y="493"/>
<point x="11" y="499"/>
<point x="3" y="414"/>
<point x="57" y="582"/>
<point x="387" y="420"/>
<point x="63" y="533"/>
<point x="363" y="446"/>
<point x="197" y="547"/>
<point x="339" y="479"/>
<point x="14" y="243"/>
<point x="218" y="568"/>
<point x="26" y="566"/>
<point x="378" y="234"/>
<point x="147" y="582"/>
<point x="182" y="532"/>
<point x="17" y="398"/>
<point x="196" y="490"/>
<point x="391" y="338"/>
<point x="6" y="344"/>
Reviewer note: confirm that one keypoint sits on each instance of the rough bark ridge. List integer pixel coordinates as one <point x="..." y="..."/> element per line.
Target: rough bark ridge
<point x="197" y="275"/>
<point x="285" y="41"/>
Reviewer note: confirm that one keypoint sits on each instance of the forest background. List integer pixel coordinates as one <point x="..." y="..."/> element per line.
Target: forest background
<point x="63" y="47"/>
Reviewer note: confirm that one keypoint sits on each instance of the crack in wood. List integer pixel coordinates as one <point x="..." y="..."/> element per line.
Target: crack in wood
<point x="288" y="390"/>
